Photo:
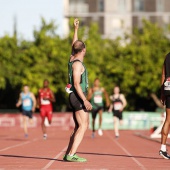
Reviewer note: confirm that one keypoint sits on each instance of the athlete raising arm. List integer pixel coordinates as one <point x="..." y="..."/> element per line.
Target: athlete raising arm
<point x="78" y="80"/>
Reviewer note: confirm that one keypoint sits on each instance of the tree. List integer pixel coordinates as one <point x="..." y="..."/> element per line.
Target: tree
<point x="135" y="66"/>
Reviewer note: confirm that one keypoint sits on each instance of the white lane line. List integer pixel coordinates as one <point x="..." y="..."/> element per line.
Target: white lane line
<point x="21" y="144"/>
<point x="134" y="159"/>
<point x="56" y="157"/>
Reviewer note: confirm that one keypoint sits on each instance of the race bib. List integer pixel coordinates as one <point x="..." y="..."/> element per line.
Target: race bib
<point x="27" y="102"/>
<point x="68" y="87"/>
<point x="45" y="102"/>
<point x="97" y="99"/>
<point x="167" y="85"/>
<point x="117" y="105"/>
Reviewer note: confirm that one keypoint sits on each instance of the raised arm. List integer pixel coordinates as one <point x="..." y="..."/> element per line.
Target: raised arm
<point x="76" y="26"/>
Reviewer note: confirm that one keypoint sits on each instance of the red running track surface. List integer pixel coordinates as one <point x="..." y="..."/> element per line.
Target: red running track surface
<point x="128" y="152"/>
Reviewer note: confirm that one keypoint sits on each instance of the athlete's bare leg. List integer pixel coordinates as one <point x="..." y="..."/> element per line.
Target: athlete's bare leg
<point x="43" y="125"/>
<point x="31" y="121"/>
<point x="82" y="120"/>
<point x="121" y="122"/>
<point x="72" y="135"/>
<point x="116" y="125"/>
<point x="93" y="124"/>
<point x="165" y="128"/>
<point x="49" y="121"/>
<point x="100" y="118"/>
<point x="71" y="141"/>
<point x="24" y="119"/>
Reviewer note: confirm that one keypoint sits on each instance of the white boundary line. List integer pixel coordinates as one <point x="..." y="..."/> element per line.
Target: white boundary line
<point x="52" y="161"/>
<point x="134" y="159"/>
<point x="21" y="144"/>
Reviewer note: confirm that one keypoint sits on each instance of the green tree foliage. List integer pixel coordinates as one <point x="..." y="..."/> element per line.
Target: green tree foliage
<point x="141" y="61"/>
<point x="134" y="62"/>
<point x="8" y="49"/>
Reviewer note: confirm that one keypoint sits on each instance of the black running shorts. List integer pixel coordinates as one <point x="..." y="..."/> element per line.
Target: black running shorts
<point x="76" y="102"/>
<point x="118" y="114"/>
<point x="27" y="113"/>
<point x="95" y="111"/>
<point x="167" y="102"/>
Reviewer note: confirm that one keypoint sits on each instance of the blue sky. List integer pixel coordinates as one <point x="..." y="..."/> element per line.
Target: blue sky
<point x="28" y="14"/>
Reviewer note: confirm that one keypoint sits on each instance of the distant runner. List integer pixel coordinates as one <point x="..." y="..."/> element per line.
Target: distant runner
<point x="95" y="95"/>
<point x="28" y="102"/>
<point x="45" y="99"/>
<point x="118" y="103"/>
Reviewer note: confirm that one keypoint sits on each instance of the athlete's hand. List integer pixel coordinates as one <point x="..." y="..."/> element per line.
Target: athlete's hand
<point x="88" y="105"/>
<point x="120" y="110"/>
<point x="109" y="110"/>
<point x="163" y="102"/>
<point x="33" y="109"/>
<point x="163" y="99"/>
<point x="107" y="104"/>
<point x="18" y="104"/>
<point x="76" y="23"/>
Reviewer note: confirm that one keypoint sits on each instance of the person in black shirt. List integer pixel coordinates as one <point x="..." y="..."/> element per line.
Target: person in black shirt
<point x="165" y="99"/>
<point x="118" y="103"/>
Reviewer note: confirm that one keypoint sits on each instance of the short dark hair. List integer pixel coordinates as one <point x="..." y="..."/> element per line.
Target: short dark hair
<point x="46" y="80"/>
<point x="78" y="46"/>
<point x="96" y="79"/>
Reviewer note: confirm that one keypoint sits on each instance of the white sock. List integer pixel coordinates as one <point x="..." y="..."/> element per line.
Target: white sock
<point x="71" y="154"/>
<point x="45" y="135"/>
<point x="116" y="134"/>
<point x="163" y="148"/>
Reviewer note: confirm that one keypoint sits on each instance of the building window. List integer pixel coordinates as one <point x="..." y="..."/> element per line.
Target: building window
<point x="100" y="5"/>
<point x="139" y="5"/>
<point x="77" y="1"/>
<point x="160" y="5"/>
<point x="78" y="6"/>
<point x="122" y="5"/>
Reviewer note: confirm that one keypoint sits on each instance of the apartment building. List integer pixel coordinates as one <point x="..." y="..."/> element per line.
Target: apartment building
<point x="115" y="17"/>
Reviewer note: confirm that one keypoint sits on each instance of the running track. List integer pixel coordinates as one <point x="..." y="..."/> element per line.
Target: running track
<point x="129" y="152"/>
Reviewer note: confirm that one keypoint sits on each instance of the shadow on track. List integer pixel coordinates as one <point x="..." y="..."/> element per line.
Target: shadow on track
<point x="127" y="156"/>
<point x="30" y="157"/>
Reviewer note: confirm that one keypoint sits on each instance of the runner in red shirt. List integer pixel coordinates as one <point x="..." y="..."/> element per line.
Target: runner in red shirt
<point x="45" y="99"/>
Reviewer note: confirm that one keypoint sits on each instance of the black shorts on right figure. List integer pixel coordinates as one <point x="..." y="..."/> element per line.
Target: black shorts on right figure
<point x="117" y="114"/>
<point x="167" y="102"/>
